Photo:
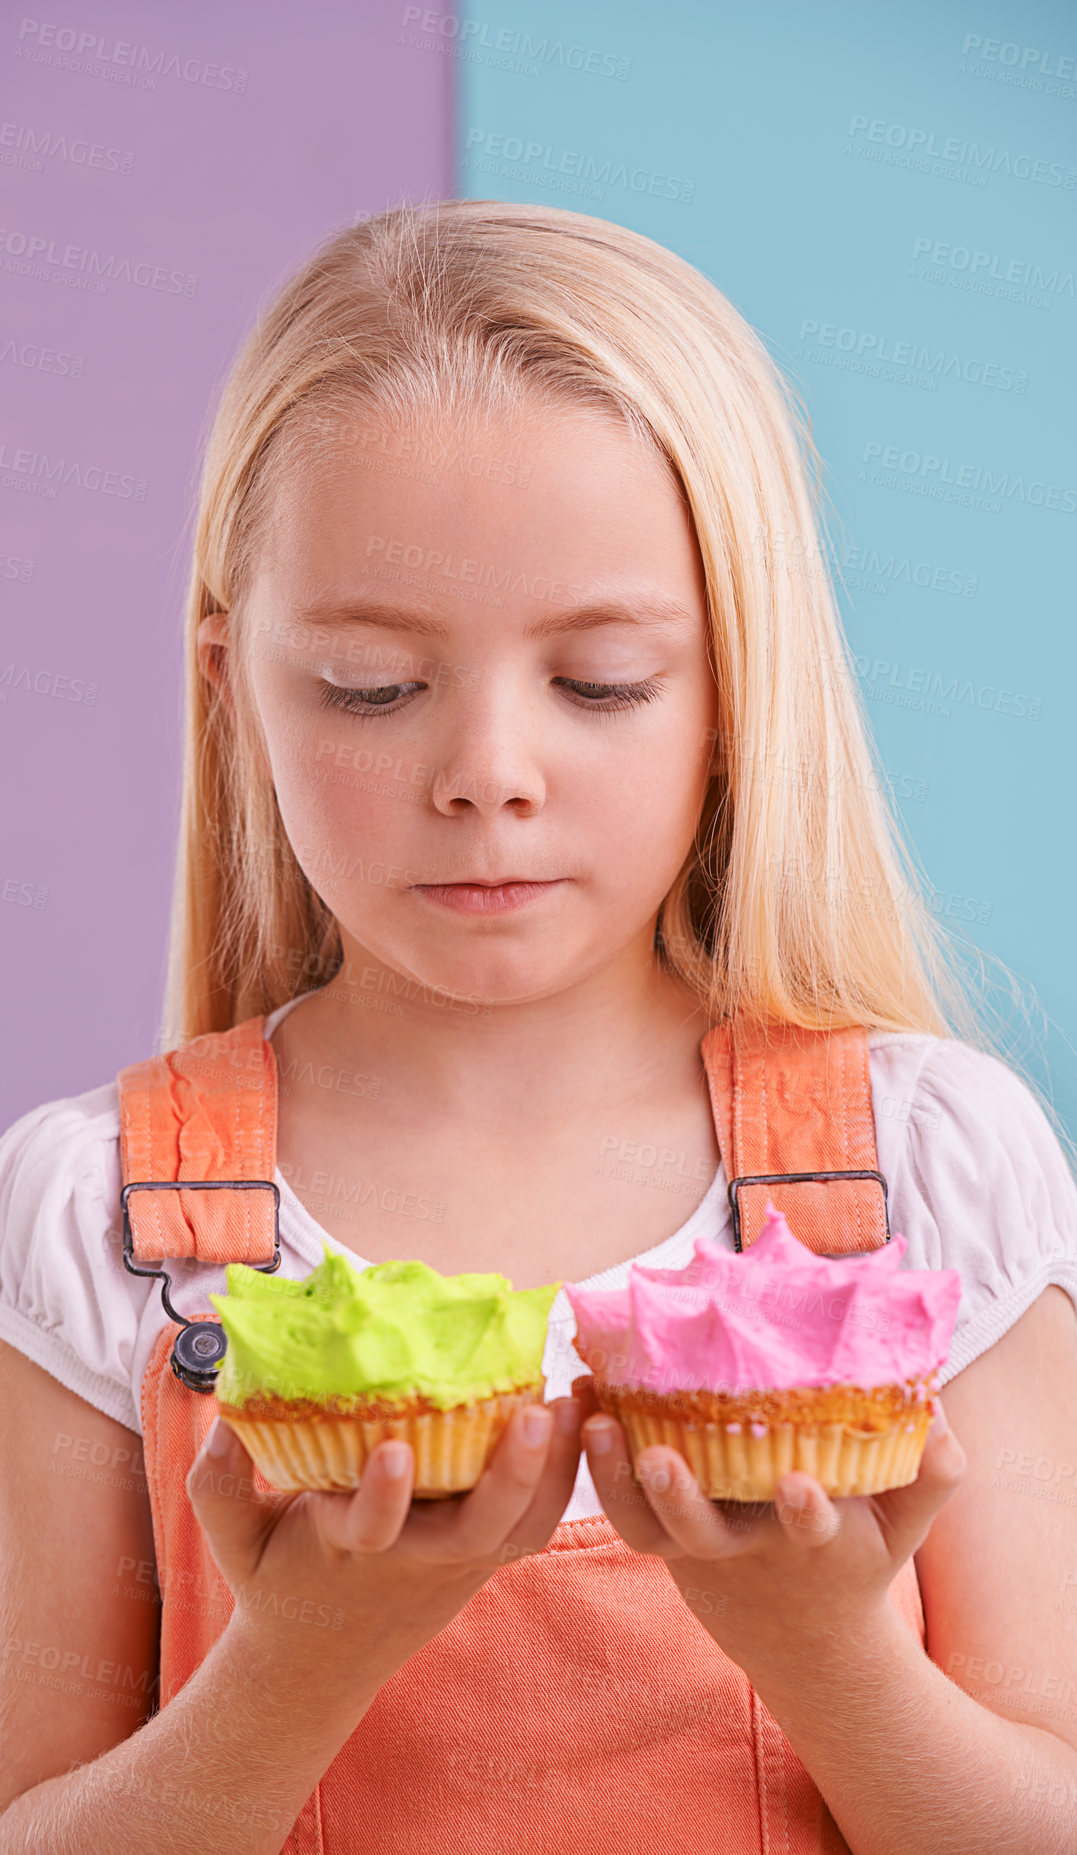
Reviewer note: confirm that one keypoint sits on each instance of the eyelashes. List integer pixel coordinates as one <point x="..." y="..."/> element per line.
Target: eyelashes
<point x="600" y="698"/>
<point x="616" y="695"/>
<point x="362" y="701"/>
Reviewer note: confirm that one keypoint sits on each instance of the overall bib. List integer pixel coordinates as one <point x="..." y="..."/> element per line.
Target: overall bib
<point x="576" y="1702"/>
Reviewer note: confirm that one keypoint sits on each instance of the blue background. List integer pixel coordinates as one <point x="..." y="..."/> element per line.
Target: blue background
<point x="801" y="213"/>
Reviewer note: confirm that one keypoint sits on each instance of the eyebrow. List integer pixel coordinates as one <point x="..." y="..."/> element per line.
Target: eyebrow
<point x="656" y="609"/>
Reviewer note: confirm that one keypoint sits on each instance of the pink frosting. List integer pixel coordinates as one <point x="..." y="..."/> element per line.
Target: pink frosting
<point x="774" y="1317"/>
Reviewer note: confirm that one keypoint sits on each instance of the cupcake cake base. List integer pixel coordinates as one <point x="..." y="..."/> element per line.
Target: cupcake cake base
<point x="301" y="1443"/>
<point x="853" y="1441"/>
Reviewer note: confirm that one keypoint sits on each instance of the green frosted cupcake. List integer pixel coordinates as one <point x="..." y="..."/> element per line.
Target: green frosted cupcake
<point x="319" y="1371"/>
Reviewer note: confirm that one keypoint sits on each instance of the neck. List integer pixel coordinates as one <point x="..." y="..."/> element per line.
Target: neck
<point x="613" y="1033"/>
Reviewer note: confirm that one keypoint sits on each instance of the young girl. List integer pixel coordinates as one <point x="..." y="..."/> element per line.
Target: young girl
<point x="521" y="755"/>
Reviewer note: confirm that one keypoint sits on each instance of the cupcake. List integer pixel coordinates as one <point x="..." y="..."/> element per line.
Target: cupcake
<point x="321" y="1370"/>
<point x="775" y="1359"/>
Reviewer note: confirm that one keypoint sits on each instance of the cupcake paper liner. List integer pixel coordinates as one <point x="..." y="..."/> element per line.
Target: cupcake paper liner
<point x="303" y="1448"/>
<point x="852" y="1441"/>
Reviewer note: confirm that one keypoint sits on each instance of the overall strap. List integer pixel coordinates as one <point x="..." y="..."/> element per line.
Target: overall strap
<point x="793" y="1113"/>
<point x="202" y="1116"/>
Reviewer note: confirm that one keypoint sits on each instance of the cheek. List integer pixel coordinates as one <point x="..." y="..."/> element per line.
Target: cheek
<point x="342" y="798"/>
<point x="640" y="816"/>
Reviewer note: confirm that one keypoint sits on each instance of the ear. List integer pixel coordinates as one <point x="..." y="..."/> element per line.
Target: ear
<point x="214" y="642"/>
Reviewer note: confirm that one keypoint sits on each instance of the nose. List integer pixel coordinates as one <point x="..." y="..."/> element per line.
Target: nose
<point x="490" y="760"/>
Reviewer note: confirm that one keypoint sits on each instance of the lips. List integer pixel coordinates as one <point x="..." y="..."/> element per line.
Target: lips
<point x="481" y="882"/>
<point x="504" y="897"/>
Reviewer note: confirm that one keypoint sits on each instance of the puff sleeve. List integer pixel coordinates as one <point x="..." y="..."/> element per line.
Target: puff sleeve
<point x="66" y="1300"/>
<point x="984" y="1186"/>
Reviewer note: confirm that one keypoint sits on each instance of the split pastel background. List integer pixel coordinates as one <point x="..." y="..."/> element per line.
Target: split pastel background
<point x="887" y="194"/>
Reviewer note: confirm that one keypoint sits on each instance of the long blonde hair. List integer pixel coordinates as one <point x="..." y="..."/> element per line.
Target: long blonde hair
<point x="799" y="900"/>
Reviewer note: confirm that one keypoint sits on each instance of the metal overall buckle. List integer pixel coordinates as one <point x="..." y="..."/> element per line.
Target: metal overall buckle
<point x="797" y="1178"/>
<point x="200" y="1345"/>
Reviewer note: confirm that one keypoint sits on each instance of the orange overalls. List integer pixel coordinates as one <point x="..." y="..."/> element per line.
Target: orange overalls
<point x="576" y="1702"/>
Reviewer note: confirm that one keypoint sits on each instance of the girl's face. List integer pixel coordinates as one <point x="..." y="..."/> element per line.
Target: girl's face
<point x="492" y="673"/>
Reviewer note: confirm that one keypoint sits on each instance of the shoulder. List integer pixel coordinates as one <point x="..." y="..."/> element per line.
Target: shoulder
<point x="73" y="1121"/>
<point x="978" y="1180"/>
<point x="60" y="1151"/>
<point x="964" y="1113"/>
<point x="66" y="1300"/>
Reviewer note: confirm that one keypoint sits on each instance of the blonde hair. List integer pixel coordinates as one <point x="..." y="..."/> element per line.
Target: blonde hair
<point x="799" y="900"/>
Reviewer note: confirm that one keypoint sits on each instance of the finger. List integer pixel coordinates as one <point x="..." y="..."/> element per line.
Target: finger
<point x="906" y="1513"/>
<point x="804" y="1510"/>
<point x="532" y="1531"/>
<point x="504" y="1491"/>
<point x="371" y="1518"/>
<point x="232" y="1512"/>
<point x="583" y="1388"/>
<point x="224" y="1470"/>
<point x="623" y="1500"/>
<point x="658" y="1506"/>
<point x="699" y="1527"/>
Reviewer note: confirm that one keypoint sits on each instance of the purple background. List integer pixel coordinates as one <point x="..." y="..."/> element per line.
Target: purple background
<point x="232" y="182"/>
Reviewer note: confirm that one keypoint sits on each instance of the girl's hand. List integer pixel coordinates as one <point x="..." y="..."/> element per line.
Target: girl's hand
<point x="395" y="1574"/>
<point x="768" y="1580"/>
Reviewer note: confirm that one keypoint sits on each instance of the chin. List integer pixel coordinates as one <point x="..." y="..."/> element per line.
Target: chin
<point x="485" y="982"/>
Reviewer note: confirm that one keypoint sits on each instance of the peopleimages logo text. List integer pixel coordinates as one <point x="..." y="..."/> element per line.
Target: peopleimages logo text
<point x="50" y="144"/>
<point x="962" y="154"/>
<point x="515" y="42"/>
<point x="38" y="36"/>
<point x="47" y="471"/>
<point x="911" y="355"/>
<point x="990" y="264"/>
<point x="1028" y="57"/>
<point x="976" y="477"/>
<point x="36" y="253"/>
<point x="536" y="156"/>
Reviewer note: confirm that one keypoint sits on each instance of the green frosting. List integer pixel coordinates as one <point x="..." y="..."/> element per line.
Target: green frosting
<point x="387" y="1331"/>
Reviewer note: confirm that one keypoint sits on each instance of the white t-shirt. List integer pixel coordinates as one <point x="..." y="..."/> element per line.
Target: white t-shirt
<point x="977" y="1182"/>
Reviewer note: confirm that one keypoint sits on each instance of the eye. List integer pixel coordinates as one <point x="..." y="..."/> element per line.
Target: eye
<point x="386" y="699"/>
<point x="606" y="697"/>
<point x="601" y="698"/>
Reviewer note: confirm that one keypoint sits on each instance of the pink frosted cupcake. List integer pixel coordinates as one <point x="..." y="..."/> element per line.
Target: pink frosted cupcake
<point x="775" y="1359"/>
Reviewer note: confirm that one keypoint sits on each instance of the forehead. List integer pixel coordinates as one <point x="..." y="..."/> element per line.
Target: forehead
<point x="562" y="491"/>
